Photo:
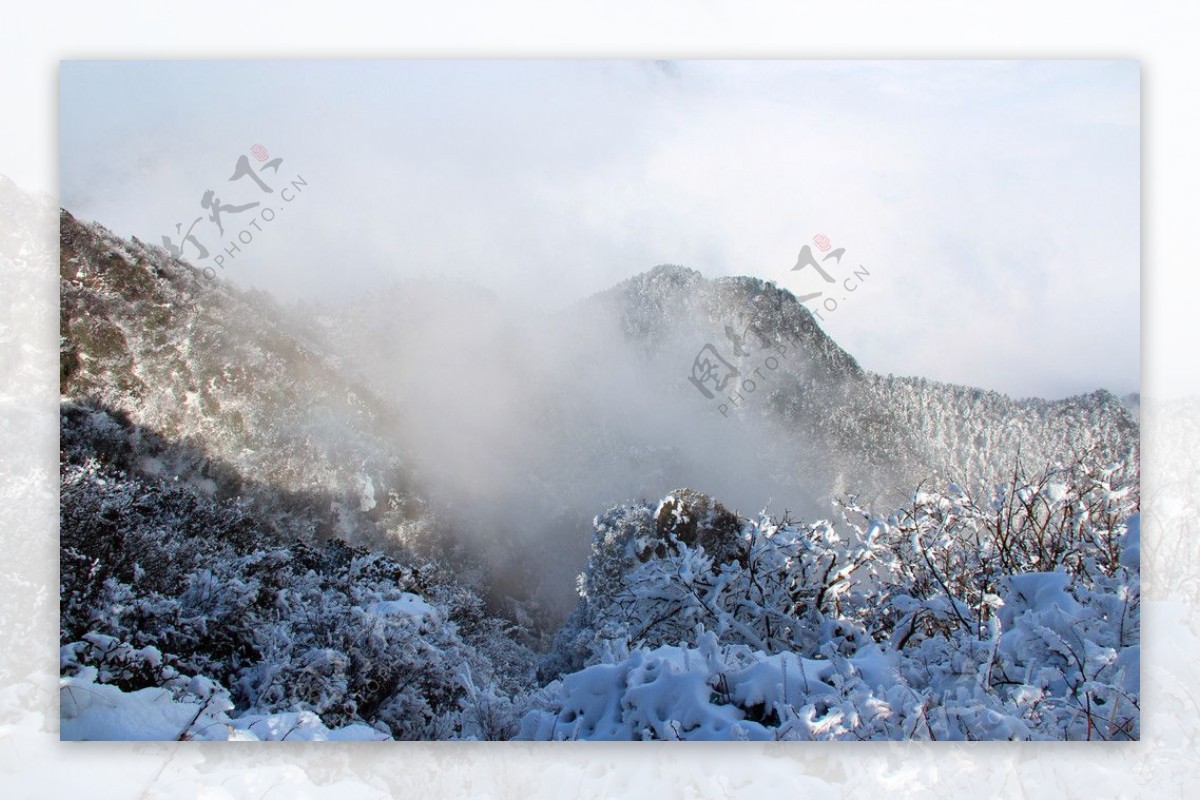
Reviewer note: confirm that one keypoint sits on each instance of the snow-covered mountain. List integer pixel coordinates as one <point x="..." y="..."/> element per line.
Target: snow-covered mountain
<point x="871" y="432"/>
<point x="231" y="376"/>
<point x="474" y="445"/>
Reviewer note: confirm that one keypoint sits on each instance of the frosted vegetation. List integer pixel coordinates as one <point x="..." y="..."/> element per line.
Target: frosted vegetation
<point x="389" y="521"/>
<point x="1010" y="612"/>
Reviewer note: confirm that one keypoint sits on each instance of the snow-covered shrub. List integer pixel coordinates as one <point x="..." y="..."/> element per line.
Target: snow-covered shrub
<point x="775" y="589"/>
<point x="945" y="555"/>
<point x="1009" y="612"/>
<point x="1046" y="677"/>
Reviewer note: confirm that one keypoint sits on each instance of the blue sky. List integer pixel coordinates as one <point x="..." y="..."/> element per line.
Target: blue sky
<point x="994" y="204"/>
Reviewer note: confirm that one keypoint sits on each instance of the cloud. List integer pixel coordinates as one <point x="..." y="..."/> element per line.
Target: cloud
<point x="994" y="203"/>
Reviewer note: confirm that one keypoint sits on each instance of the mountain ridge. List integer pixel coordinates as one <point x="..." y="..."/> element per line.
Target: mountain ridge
<point x="510" y="432"/>
<point x="369" y="521"/>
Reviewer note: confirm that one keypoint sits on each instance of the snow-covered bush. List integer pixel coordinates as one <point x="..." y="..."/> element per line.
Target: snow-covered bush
<point x="1009" y="612"/>
<point x="644" y="585"/>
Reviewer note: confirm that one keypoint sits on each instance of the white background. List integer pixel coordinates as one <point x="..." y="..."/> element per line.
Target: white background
<point x="1161" y="35"/>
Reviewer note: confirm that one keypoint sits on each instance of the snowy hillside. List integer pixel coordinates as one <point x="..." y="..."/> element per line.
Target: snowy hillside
<point x="226" y="373"/>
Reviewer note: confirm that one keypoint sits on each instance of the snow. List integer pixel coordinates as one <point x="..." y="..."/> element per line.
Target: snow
<point x="1038" y="592"/>
<point x="294" y="726"/>
<point x="91" y="711"/>
<point x="1131" y="550"/>
<point x="366" y="493"/>
<point x="660" y="694"/>
<point x="407" y="605"/>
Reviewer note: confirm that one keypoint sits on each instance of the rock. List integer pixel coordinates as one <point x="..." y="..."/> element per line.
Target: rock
<point x="695" y="519"/>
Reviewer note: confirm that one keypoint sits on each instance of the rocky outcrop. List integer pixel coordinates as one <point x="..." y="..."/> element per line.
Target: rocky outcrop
<point x="698" y="521"/>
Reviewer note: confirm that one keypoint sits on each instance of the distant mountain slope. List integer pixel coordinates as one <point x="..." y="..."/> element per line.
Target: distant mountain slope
<point x="868" y="432"/>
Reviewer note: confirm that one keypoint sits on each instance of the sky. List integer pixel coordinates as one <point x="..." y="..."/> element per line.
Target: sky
<point x="980" y="219"/>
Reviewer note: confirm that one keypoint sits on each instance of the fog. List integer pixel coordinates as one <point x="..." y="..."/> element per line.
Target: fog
<point x="995" y="203"/>
<point x="522" y="425"/>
